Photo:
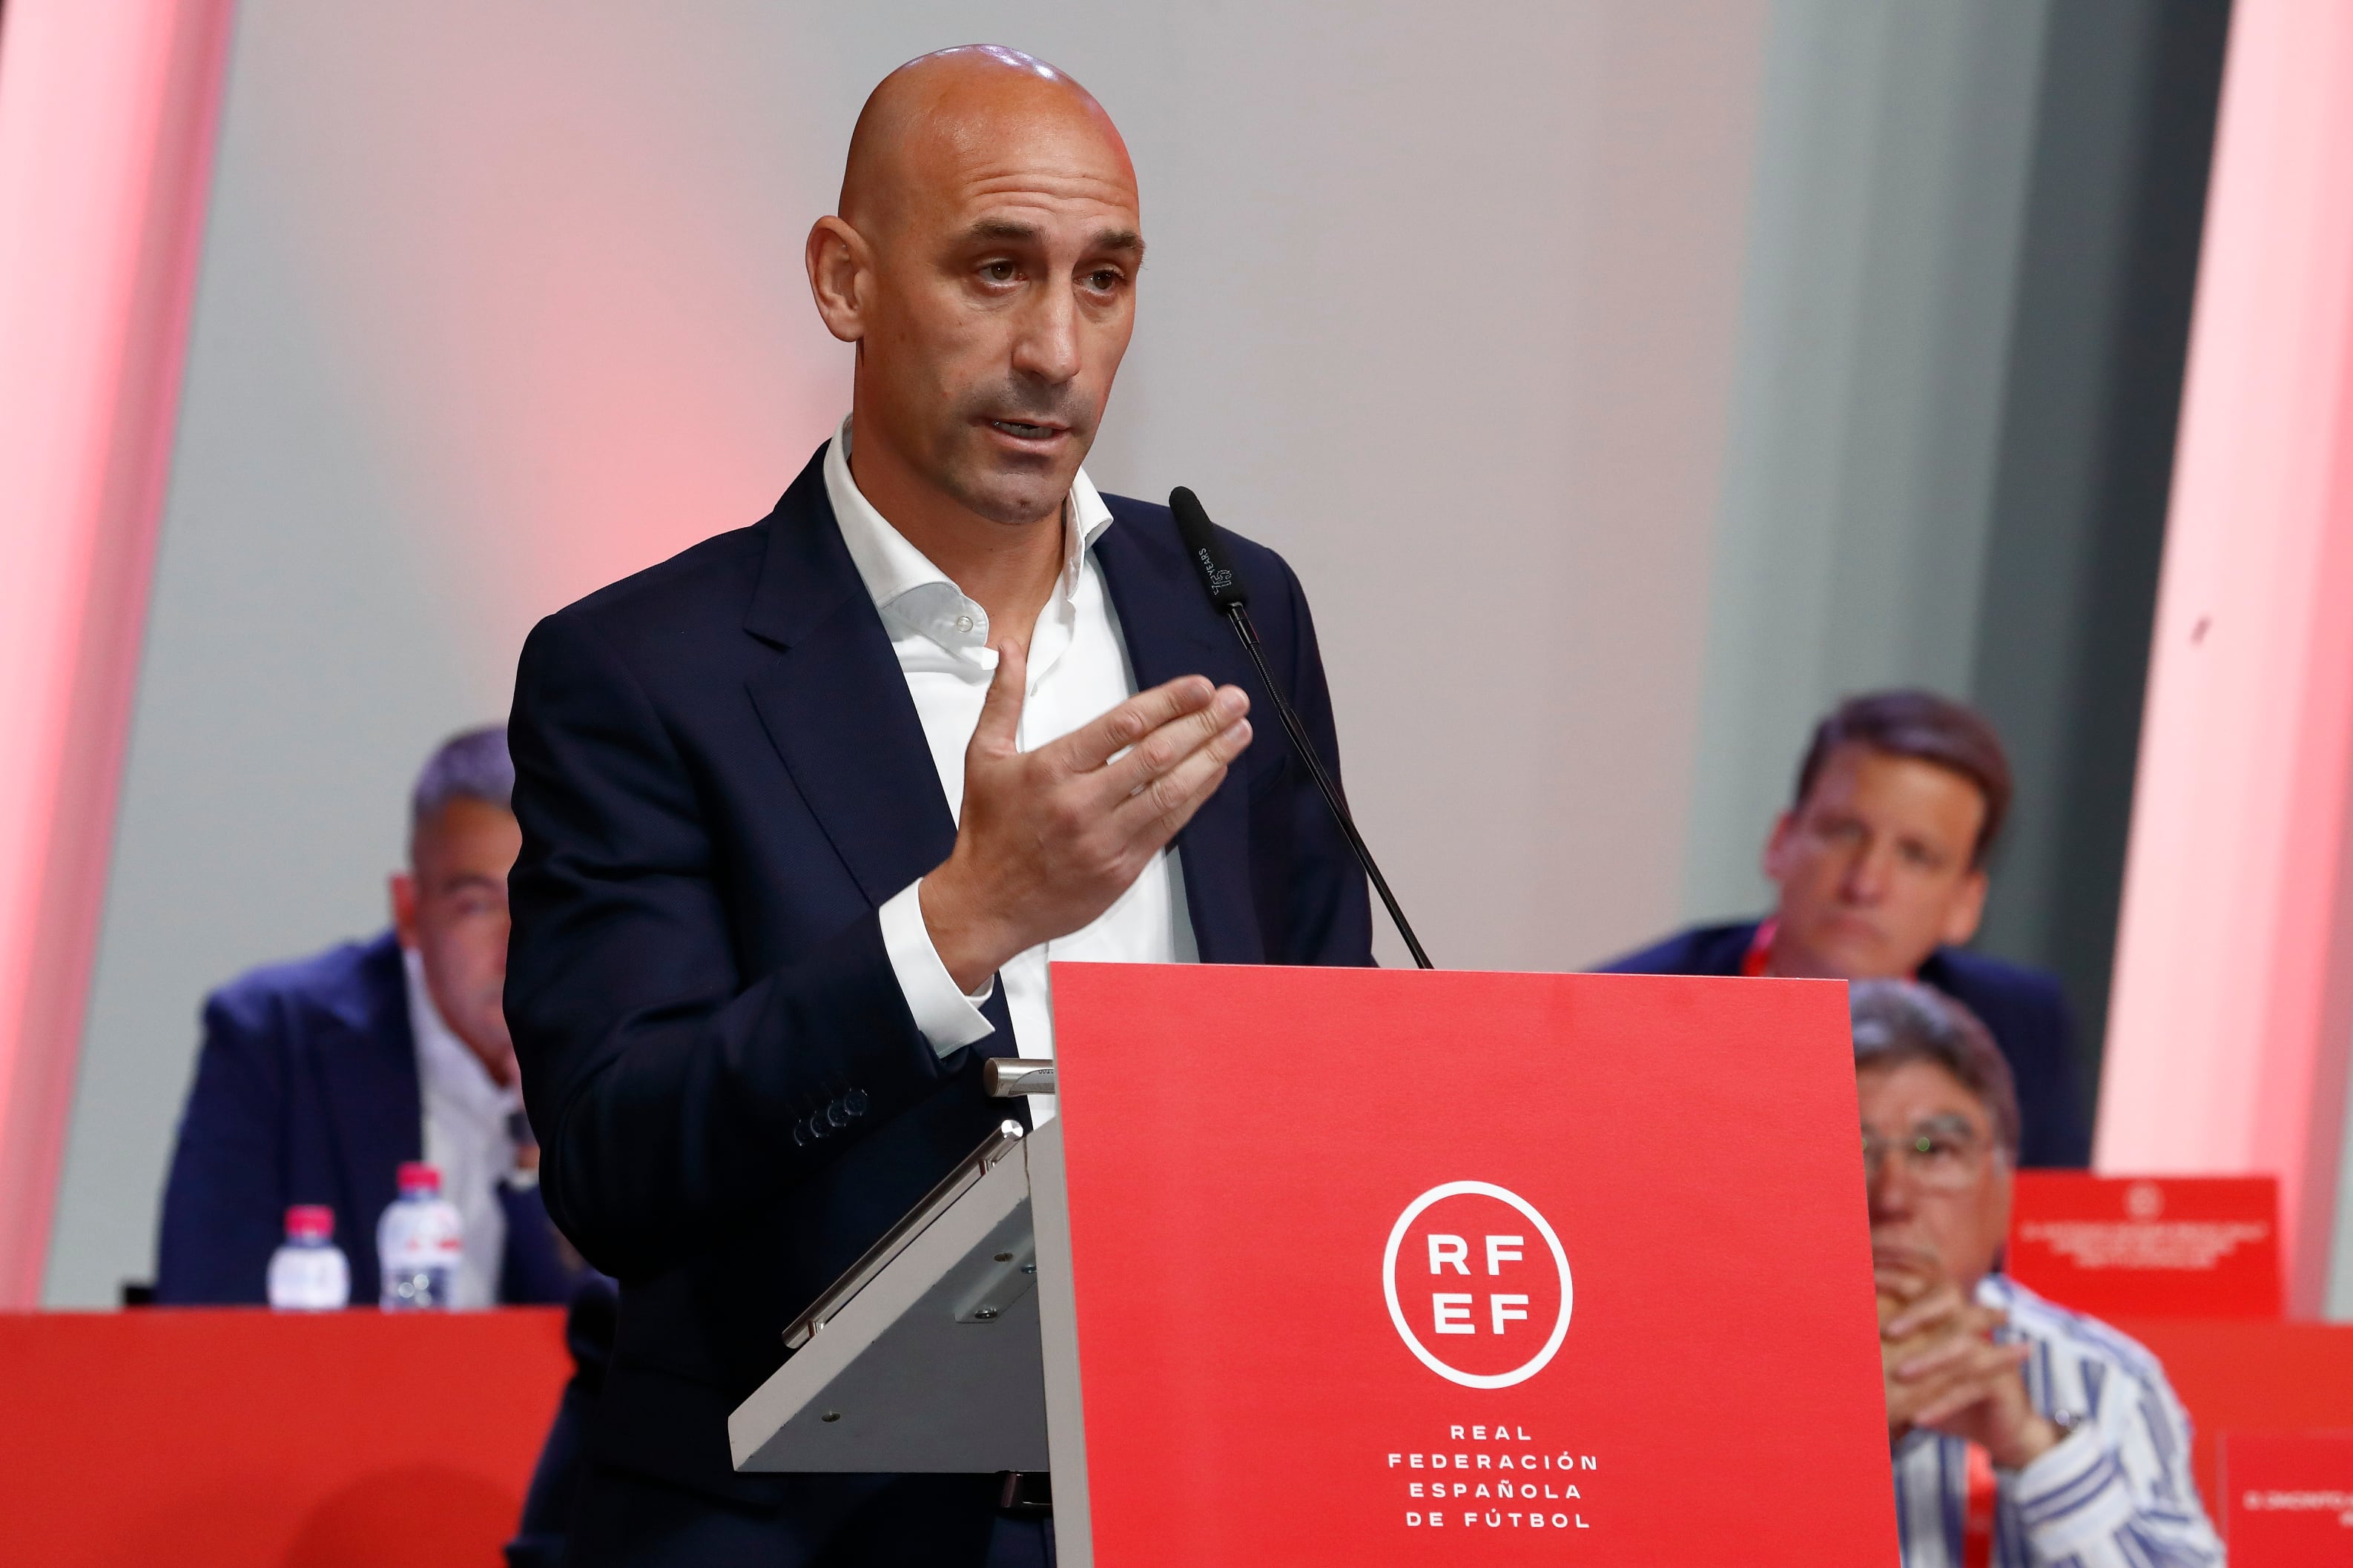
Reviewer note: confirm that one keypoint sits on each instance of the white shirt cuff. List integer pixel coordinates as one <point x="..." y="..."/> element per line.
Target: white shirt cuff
<point x="949" y="1018"/>
<point x="2072" y="1496"/>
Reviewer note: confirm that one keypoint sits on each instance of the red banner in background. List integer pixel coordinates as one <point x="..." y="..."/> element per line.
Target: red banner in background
<point x="1378" y="1267"/>
<point x="2287" y="1500"/>
<point x="2148" y="1246"/>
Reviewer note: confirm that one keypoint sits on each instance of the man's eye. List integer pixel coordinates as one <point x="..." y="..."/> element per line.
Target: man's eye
<point x="1103" y="281"/>
<point x="997" y="271"/>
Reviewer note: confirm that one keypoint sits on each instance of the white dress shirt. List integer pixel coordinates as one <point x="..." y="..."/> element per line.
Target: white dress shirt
<point x="467" y="1138"/>
<point x="1078" y="671"/>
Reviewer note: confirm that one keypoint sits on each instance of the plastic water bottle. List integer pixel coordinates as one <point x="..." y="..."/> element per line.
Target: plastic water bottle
<point x="417" y="1242"/>
<point x="310" y="1273"/>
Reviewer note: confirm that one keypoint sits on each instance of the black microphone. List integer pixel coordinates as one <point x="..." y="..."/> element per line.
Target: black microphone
<point x="1224" y="584"/>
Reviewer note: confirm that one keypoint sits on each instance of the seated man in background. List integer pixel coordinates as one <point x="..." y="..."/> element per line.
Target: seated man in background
<point x="318" y="1079"/>
<point x="1880" y="860"/>
<point x="2046" y="1436"/>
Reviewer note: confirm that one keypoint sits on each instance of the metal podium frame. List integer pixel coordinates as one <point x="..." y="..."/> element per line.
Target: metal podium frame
<point x="951" y="1346"/>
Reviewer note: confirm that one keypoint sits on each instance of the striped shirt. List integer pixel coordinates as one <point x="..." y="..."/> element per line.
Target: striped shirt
<point x="2116" y="1493"/>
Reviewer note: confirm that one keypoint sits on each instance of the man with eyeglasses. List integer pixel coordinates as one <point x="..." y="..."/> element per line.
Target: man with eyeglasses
<point x="2023" y="1434"/>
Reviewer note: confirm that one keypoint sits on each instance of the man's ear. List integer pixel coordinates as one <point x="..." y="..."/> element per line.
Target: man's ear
<point x="1776" y="857"/>
<point x="1968" y="908"/>
<point x="2005" y="1194"/>
<point x="838" y="261"/>
<point x="404" y="908"/>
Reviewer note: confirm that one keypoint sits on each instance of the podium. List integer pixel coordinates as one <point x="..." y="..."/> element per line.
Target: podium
<point x="927" y="1356"/>
<point x="1339" y="1266"/>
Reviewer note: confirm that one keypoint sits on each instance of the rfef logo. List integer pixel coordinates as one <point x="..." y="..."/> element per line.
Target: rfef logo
<point x="1478" y="1285"/>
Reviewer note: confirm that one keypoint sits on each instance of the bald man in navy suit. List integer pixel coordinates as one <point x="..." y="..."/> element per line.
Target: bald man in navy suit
<point x="807" y="810"/>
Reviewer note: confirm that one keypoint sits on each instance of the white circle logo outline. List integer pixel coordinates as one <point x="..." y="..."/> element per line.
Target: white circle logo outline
<point x="1422" y="1353"/>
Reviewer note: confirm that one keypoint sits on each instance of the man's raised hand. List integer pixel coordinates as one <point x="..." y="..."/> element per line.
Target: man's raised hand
<point x="1049" y="838"/>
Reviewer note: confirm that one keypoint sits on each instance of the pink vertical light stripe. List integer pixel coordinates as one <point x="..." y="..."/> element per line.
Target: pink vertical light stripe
<point x="107" y="120"/>
<point x="2233" y="1005"/>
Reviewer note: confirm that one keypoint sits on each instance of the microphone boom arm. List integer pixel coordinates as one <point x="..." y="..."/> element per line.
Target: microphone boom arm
<point x="1239" y="615"/>
<point x="1230" y="599"/>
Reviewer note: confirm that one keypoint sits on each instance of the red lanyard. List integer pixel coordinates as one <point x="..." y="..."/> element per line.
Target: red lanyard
<point x="1977" y="1516"/>
<point x="1758" y="959"/>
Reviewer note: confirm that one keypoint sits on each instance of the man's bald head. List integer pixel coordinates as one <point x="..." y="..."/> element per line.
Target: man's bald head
<point x="938" y="110"/>
<point x="984" y="261"/>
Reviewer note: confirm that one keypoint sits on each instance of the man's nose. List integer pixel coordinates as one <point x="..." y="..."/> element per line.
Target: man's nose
<point x="1888" y="1187"/>
<point x="1047" y="346"/>
<point x="1867" y="874"/>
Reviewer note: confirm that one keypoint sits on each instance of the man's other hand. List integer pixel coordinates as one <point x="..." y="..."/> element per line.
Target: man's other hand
<point x="1049" y="838"/>
<point x="1945" y="1373"/>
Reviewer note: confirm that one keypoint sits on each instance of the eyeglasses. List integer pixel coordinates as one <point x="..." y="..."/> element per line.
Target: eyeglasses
<point x="1942" y="1154"/>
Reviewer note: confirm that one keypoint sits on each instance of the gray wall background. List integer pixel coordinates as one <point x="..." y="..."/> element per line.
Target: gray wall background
<point x="1624" y="380"/>
<point x="1893" y="163"/>
<point x="1974" y="252"/>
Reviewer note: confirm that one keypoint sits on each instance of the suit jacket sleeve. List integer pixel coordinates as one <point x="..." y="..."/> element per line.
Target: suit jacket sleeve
<point x="665" y="1086"/>
<point x="223" y="1209"/>
<point x="1327" y="917"/>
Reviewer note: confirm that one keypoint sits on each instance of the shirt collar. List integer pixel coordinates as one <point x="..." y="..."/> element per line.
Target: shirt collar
<point x="447" y="1067"/>
<point x="892" y="568"/>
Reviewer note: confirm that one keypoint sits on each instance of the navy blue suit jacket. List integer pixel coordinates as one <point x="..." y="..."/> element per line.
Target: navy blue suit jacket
<point x="720" y="778"/>
<point x="306" y="1092"/>
<point x="2024" y="1010"/>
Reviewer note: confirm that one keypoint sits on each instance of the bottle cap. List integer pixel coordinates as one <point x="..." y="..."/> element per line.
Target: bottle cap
<point x="309" y="1222"/>
<point x="416" y="1176"/>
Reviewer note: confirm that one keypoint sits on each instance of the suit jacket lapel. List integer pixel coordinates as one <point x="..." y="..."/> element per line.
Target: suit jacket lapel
<point x="374" y="1106"/>
<point x="1170" y="631"/>
<point x="835" y="704"/>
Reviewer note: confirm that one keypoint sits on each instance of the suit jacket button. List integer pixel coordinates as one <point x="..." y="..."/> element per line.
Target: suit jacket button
<point x="856" y="1102"/>
<point x="837" y="1114"/>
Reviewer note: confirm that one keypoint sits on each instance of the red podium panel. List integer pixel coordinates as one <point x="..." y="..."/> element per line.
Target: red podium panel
<point x="2139" y="1247"/>
<point x="1390" y="1267"/>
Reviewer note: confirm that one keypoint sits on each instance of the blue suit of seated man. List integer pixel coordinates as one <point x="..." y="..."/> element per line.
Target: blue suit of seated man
<point x="1880" y="860"/>
<point x="318" y="1079"/>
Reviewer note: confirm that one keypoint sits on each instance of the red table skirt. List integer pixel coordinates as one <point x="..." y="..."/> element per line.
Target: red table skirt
<point x="129" y="1439"/>
<point x="221" y="1437"/>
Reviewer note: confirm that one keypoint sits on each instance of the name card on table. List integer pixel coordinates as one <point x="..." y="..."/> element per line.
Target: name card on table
<point x="2287" y="1500"/>
<point x="2148" y="1246"/>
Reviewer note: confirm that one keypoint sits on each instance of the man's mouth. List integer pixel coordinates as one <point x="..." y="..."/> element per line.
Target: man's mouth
<point x="1027" y="430"/>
